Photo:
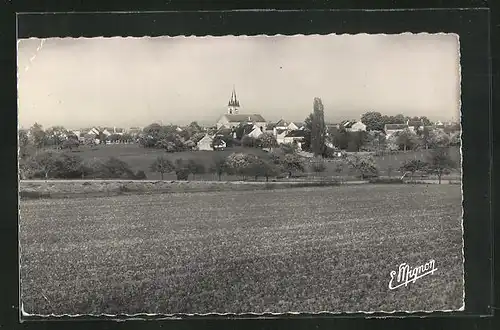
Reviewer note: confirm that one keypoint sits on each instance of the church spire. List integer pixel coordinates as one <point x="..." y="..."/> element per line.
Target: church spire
<point x="233" y="103"/>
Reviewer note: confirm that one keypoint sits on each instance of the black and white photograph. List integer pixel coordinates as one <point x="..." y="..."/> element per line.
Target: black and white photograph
<point x="267" y="174"/>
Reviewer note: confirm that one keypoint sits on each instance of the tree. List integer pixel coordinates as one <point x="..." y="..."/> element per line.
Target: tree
<point x="140" y="175"/>
<point x="306" y="145"/>
<point x="318" y="166"/>
<point x="238" y="163"/>
<point x="38" y="135"/>
<point x="115" y="168"/>
<point x="93" y="167"/>
<point x="162" y="165"/>
<point x="219" y="167"/>
<point x="391" y="143"/>
<point x="425" y="137"/>
<point x="318" y="130"/>
<point x="249" y="142"/>
<point x="267" y="140"/>
<point x="67" y="166"/>
<point x="338" y="166"/>
<point x="373" y="121"/>
<point x="56" y="135"/>
<point x="289" y="148"/>
<point x="438" y="138"/>
<point x="25" y="147"/>
<point x="292" y="163"/>
<point x="342" y="138"/>
<point x="455" y="139"/>
<point x="399" y="119"/>
<point x="412" y="166"/>
<point x="126" y="138"/>
<point x="425" y="120"/>
<point x="45" y="162"/>
<point x="364" y="166"/>
<point x="114" y="138"/>
<point x="440" y="162"/>
<point x="102" y="137"/>
<point x="181" y="169"/>
<point x="169" y="146"/>
<point x="242" y="130"/>
<point x="407" y="139"/>
<point x="70" y="144"/>
<point x="195" y="167"/>
<point x="189" y="145"/>
<point x="260" y="167"/>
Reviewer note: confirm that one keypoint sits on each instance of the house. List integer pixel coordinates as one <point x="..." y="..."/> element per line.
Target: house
<point x="296" y="137"/>
<point x="93" y="131"/>
<point x="390" y="129"/>
<point x="415" y="126"/>
<point x="134" y="131"/>
<point x="256" y="132"/>
<point x="295" y="126"/>
<point x="206" y="143"/>
<point x="354" y="126"/>
<point x="219" y="144"/>
<point x="233" y="118"/>
<point x="280" y="127"/>
<point x="280" y="135"/>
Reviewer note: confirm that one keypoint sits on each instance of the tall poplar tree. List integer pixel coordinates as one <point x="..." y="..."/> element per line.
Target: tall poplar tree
<point x="318" y="130"/>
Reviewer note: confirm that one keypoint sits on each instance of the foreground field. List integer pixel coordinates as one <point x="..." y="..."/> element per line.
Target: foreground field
<point x="301" y="250"/>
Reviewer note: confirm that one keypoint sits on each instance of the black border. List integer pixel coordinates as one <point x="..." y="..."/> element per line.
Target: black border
<point x="472" y="25"/>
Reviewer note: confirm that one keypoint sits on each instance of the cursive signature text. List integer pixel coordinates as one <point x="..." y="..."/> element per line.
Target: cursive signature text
<point x="406" y="275"/>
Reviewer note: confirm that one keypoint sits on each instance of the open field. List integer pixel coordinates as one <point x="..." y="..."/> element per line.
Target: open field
<point x="141" y="158"/>
<point x="303" y="249"/>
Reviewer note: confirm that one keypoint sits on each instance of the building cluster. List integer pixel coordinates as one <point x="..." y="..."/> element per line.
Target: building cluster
<point x="254" y="125"/>
<point x="284" y="132"/>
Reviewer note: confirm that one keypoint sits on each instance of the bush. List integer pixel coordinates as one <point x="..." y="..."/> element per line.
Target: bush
<point x="115" y="168"/>
<point x="249" y="142"/>
<point x="182" y="173"/>
<point x="386" y="180"/>
<point x="140" y="175"/>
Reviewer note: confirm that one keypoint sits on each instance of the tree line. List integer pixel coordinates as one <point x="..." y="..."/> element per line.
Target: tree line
<point x="324" y="141"/>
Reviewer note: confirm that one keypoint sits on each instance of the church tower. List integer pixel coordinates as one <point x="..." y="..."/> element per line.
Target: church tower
<point x="233" y="104"/>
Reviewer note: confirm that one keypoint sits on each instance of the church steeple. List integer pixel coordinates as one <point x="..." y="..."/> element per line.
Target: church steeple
<point x="233" y="103"/>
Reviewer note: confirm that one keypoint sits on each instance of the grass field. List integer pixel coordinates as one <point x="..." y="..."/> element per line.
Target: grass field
<point x="302" y="250"/>
<point x="141" y="158"/>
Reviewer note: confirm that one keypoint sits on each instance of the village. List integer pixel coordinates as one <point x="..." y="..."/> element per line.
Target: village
<point x="237" y="125"/>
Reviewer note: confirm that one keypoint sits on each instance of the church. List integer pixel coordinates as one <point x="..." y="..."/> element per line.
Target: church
<point x="234" y="118"/>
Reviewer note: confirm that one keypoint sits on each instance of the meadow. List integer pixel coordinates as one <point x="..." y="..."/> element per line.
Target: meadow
<point x="296" y="250"/>
<point x="141" y="158"/>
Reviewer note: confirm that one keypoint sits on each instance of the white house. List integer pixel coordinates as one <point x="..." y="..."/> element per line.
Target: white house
<point x="205" y="143"/>
<point x="292" y="127"/>
<point x="354" y="126"/>
<point x="256" y="132"/>
<point x="294" y="137"/>
<point x="93" y="131"/>
<point x="390" y="129"/>
<point x="280" y="136"/>
<point x="415" y="126"/>
<point x="220" y="145"/>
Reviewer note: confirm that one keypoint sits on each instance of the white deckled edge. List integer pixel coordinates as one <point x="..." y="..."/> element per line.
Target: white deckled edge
<point x="209" y="36"/>
<point x="178" y="316"/>
<point x="462" y="308"/>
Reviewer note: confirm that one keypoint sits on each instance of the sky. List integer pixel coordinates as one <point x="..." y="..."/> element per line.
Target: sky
<point x="124" y="82"/>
